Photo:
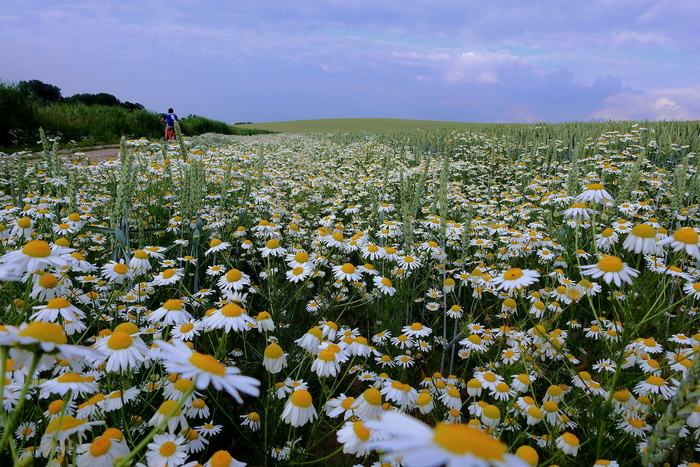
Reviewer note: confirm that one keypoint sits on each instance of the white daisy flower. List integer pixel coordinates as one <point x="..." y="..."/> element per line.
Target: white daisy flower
<point x="611" y="269"/>
<point x="205" y="370"/>
<point x="416" y="444"/>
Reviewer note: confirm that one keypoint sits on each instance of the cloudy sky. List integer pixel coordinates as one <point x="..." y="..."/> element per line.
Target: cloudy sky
<point x="458" y="60"/>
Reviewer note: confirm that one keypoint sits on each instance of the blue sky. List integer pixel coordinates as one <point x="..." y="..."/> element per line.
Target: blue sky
<point x="458" y="60"/>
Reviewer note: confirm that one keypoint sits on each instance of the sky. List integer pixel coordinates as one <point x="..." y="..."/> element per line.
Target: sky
<point x="454" y="60"/>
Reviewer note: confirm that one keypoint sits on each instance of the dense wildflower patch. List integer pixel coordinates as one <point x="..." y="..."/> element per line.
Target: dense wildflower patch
<point x="288" y="299"/>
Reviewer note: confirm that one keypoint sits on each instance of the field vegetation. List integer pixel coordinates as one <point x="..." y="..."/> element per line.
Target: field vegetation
<point x="504" y="295"/>
<point x="84" y="120"/>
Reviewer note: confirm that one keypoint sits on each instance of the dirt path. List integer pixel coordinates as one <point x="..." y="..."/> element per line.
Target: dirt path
<point x="95" y="155"/>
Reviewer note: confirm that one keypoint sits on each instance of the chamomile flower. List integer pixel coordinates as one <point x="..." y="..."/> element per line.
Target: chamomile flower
<point x="692" y="288"/>
<point x="205" y="370"/>
<point x="515" y="279"/>
<point x="416" y="330"/>
<point x="34" y="255"/>
<point x="347" y="272"/>
<point x="216" y="245"/>
<point x="354" y="436"/>
<point x="384" y="285"/>
<point x="597" y="193"/>
<point x="274" y="358"/>
<point x="685" y="238"/>
<point x="568" y="443"/>
<point x="611" y="269"/>
<point x="299" y="273"/>
<point x="234" y="279"/>
<point x="166" y="450"/>
<point x="642" y="239"/>
<point x="223" y="459"/>
<point x="57" y="307"/>
<point x="117" y="272"/>
<point x="299" y="409"/>
<point x="251" y="420"/>
<point x="229" y="317"/>
<point x="104" y="451"/>
<point x="418" y="445"/>
<point x="60" y="429"/>
<point x="171" y="312"/>
<point x="168" y="276"/>
<point x="272" y="248"/>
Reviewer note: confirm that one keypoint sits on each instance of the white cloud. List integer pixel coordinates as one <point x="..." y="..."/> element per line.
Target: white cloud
<point x="661" y="104"/>
<point x="479" y="67"/>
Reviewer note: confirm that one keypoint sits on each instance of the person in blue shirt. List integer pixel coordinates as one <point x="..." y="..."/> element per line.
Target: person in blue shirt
<point x="169" y="120"/>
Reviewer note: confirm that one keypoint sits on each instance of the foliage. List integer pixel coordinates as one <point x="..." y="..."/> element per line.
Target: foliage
<point x="19" y="115"/>
<point x="102" y="98"/>
<point x="46" y="93"/>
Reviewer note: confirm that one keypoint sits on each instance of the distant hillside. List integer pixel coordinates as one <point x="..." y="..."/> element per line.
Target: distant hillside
<point x="333" y="125"/>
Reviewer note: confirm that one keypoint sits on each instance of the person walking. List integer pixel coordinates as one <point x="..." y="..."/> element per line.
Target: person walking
<point x="170" y="118"/>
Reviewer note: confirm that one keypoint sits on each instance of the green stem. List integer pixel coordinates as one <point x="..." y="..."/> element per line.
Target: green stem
<point x="158" y="428"/>
<point x="10" y="427"/>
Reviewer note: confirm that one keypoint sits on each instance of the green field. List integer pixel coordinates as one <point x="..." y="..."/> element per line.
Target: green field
<point x="331" y="125"/>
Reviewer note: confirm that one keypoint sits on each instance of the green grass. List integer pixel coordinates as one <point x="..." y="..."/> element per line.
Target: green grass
<point x="333" y="125"/>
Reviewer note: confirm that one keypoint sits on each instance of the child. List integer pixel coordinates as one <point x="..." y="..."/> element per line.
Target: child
<point x="169" y="120"/>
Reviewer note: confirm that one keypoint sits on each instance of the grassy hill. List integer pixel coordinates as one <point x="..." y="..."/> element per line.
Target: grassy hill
<point x="333" y="125"/>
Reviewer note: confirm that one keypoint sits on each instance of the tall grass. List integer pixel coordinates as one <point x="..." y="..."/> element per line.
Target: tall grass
<point x="79" y="124"/>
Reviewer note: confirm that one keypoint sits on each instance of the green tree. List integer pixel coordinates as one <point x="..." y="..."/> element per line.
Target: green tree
<point x="19" y="121"/>
<point x="47" y="93"/>
<point x="94" y="99"/>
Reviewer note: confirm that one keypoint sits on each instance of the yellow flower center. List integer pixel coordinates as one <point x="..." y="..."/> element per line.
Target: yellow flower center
<point x="100" y="447"/>
<point x="253" y="417"/>
<point x="182" y="384"/>
<point x="594" y="187"/>
<point x="513" y="274"/>
<point x="231" y="310"/>
<point x="140" y="254"/>
<point x="492" y="412"/>
<point x="207" y="363"/>
<point x="65" y="423"/>
<point x="215" y="242"/>
<point x="168" y="273"/>
<point x="348" y="268"/>
<point x="643" y="231"/>
<point x="234" y="275"/>
<point x="570" y="439"/>
<point x="348" y="403"/>
<point x="37" y="249"/>
<point x="168" y="406"/>
<point x="372" y="248"/>
<point x="24" y="223"/>
<point x="301" y="257"/>
<point x="373" y="396"/>
<point x="173" y="304"/>
<point x="273" y="351"/>
<point x="462" y="439"/>
<point x="71" y="377"/>
<point x="686" y="235"/>
<point x="187" y="327"/>
<point x="220" y="459"/>
<point x="327" y="355"/>
<point x="361" y="431"/>
<point x="167" y="449"/>
<point x="272" y="244"/>
<point x="45" y="332"/>
<point x="610" y="264"/>
<point x="48" y="281"/>
<point x="297" y="271"/>
<point x="301" y="398"/>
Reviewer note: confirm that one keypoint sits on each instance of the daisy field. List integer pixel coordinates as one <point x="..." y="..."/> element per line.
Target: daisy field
<point x="455" y="299"/>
